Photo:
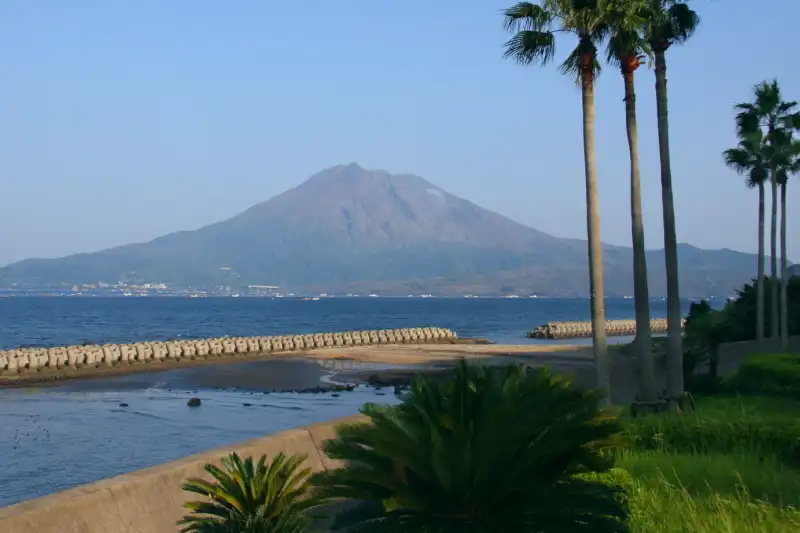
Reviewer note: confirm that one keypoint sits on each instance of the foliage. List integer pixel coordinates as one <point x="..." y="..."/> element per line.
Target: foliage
<point x="769" y="374"/>
<point x="248" y="497"/>
<point x="668" y="22"/>
<point x="495" y="449"/>
<point x="759" y="427"/>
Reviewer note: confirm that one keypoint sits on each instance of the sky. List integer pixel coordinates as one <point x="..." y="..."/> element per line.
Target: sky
<point x="121" y="121"/>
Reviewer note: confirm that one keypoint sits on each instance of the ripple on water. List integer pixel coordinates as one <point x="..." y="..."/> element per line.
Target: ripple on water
<point x="52" y="440"/>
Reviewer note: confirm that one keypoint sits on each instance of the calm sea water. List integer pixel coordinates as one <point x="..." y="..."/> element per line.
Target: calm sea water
<point x="59" y="437"/>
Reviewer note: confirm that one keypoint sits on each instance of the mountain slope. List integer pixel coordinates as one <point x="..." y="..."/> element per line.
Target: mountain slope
<point x="350" y="228"/>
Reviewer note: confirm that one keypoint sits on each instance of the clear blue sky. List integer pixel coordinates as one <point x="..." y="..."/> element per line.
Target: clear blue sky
<point x="124" y="120"/>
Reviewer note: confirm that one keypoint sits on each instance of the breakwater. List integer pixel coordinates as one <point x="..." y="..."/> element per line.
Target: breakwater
<point x="571" y="330"/>
<point x="31" y="360"/>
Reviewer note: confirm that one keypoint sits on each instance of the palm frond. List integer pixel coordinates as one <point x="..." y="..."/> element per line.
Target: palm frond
<point x="494" y="449"/>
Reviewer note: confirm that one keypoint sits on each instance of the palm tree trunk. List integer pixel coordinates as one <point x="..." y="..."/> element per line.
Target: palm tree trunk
<point x="597" y="301"/>
<point x="773" y="260"/>
<point x="641" y="292"/>
<point x="784" y="275"/>
<point x="674" y="322"/>
<point x="760" y="279"/>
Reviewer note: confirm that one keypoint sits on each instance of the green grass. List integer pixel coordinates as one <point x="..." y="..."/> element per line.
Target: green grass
<point x="732" y="466"/>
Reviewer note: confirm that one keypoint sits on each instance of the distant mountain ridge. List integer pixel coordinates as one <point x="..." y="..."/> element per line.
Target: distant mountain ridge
<point x="351" y="229"/>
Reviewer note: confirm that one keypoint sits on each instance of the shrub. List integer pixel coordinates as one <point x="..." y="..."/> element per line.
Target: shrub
<point x="761" y="427"/>
<point x="494" y="449"/>
<point x="769" y="374"/>
<point x="245" y="497"/>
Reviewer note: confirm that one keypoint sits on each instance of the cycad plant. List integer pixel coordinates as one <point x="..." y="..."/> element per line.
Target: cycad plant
<point x="495" y="449"/>
<point x="248" y="497"/>
<point x="534" y="27"/>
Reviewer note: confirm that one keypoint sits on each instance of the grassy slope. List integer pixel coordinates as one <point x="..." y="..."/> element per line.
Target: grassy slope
<point x="731" y="466"/>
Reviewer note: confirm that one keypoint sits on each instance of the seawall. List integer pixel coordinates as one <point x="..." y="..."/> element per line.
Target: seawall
<point x="26" y="365"/>
<point x="572" y="330"/>
<point x="151" y="500"/>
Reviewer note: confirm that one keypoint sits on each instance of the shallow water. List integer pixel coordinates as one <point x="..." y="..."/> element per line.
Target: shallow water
<point x="59" y="437"/>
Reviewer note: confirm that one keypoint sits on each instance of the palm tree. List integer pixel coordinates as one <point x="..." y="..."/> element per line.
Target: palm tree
<point x="272" y="497"/>
<point x="534" y="27"/>
<point x="625" y="50"/>
<point x="507" y="449"/>
<point x="790" y="151"/>
<point x="669" y="22"/>
<point x="777" y="118"/>
<point x="751" y="159"/>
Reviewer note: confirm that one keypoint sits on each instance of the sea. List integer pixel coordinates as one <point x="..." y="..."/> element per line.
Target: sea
<point x="57" y="437"/>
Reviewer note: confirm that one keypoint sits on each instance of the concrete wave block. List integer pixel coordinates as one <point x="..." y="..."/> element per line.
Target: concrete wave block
<point x="202" y="348"/>
<point x="189" y="350"/>
<point x="347" y="338"/>
<point x="12" y="367"/>
<point x="241" y="345"/>
<point x="253" y="346"/>
<point x="277" y="344"/>
<point x="127" y="353"/>
<point x="173" y="350"/>
<point x="3" y="361"/>
<point x="265" y="344"/>
<point x="299" y="342"/>
<point x="215" y="347"/>
<point x="228" y="346"/>
<point x="144" y="352"/>
<point x="358" y="340"/>
<point x="288" y="343"/>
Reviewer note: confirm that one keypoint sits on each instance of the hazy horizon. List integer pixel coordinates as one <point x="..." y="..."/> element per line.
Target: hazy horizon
<point x="123" y="122"/>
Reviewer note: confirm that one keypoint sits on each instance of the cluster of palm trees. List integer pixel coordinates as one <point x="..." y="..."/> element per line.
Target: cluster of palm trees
<point x="632" y="31"/>
<point x="768" y="152"/>
<point x="496" y="449"/>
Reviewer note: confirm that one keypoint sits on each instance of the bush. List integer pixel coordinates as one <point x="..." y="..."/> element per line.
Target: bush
<point x="761" y="427"/>
<point x="768" y="374"/>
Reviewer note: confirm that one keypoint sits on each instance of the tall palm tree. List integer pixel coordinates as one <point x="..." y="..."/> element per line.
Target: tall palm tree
<point x="777" y="118"/>
<point x="790" y="165"/>
<point x="751" y="159"/>
<point x="248" y="497"/>
<point x="667" y="23"/>
<point x="495" y="449"/>
<point x="626" y="49"/>
<point x="534" y="26"/>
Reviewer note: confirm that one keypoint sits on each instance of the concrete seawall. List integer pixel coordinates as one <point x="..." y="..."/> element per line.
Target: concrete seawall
<point x="150" y="500"/>
<point x="571" y="330"/>
<point x="31" y="364"/>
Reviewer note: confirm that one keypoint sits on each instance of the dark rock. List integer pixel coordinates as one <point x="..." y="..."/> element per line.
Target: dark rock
<point x="335" y="395"/>
<point x="247" y="404"/>
<point x="123" y="405"/>
<point x="194" y="402"/>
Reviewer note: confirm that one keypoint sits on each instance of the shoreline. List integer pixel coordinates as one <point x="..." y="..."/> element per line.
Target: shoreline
<point x="399" y="355"/>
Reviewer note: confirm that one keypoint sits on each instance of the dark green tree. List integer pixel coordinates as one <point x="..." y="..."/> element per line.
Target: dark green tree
<point x="248" y="497"/>
<point x="495" y="449"/>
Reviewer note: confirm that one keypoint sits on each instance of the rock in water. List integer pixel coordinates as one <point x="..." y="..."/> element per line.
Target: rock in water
<point x="194" y="402"/>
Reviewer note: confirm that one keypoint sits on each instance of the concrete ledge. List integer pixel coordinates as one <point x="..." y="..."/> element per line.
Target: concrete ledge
<point x="151" y="500"/>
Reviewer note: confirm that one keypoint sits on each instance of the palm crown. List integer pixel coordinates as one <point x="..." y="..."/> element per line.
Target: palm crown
<point x="248" y="497"/>
<point x="489" y="451"/>
<point x="751" y="157"/>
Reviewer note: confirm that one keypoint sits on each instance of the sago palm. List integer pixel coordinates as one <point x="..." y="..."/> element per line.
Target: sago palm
<point x="626" y="50"/>
<point x="751" y="159"/>
<point x="667" y="23"/>
<point x="248" y="497"/>
<point x="777" y="118"/>
<point x="534" y="26"/>
<point x="495" y="449"/>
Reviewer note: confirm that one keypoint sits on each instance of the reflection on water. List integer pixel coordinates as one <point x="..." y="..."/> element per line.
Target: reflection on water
<point x="53" y="439"/>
